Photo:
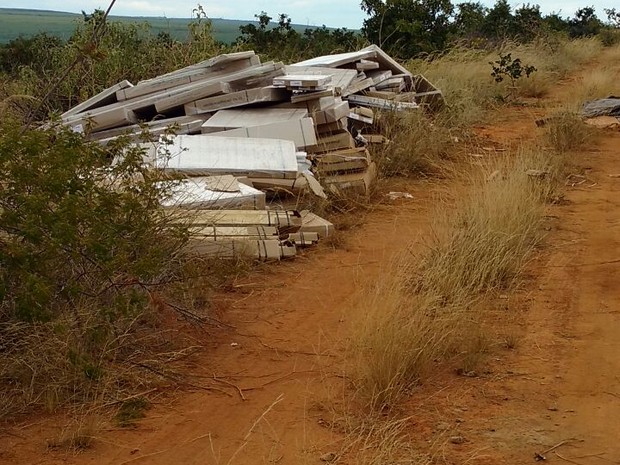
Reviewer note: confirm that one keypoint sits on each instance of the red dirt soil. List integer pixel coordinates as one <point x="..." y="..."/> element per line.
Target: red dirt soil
<point x="284" y="357"/>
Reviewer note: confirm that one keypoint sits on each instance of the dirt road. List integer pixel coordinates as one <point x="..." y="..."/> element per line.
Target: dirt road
<point x="274" y="369"/>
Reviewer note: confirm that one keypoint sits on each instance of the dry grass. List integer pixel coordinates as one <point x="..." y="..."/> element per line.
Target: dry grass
<point x="418" y="144"/>
<point x="78" y="435"/>
<point x="565" y="131"/>
<point x="378" y="441"/>
<point x="494" y="226"/>
<point x="423" y="310"/>
<point x="598" y="83"/>
<point x="464" y="75"/>
<point x="399" y="337"/>
<point x="75" y="361"/>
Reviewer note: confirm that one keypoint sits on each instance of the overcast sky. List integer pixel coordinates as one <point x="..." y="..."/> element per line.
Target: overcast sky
<point x="333" y="13"/>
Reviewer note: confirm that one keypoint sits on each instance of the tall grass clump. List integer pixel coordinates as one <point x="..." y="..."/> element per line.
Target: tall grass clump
<point x="489" y="235"/>
<point x="399" y="337"/>
<point x="464" y="76"/>
<point x="418" y="143"/>
<point x="565" y="131"/>
<point x="598" y="83"/>
<point x="424" y="309"/>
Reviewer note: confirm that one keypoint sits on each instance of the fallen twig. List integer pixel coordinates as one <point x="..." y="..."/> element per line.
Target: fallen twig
<point x="228" y="383"/>
<point x="567" y="459"/>
<point x="541" y="456"/>
<point x="120" y="401"/>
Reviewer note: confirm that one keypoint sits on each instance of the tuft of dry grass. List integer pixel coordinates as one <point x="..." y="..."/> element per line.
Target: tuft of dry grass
<point x="78" y="435"/>
<point x="565" y="131"/>
<point x="418" y="144"/>
<point x="464" y="77"/>
<point x="484" y="242"/>
<point x="377" y="441"/>
<point x="535" y="86"/>
<point x="399" y="337"/>
<point x="597" y="83"/>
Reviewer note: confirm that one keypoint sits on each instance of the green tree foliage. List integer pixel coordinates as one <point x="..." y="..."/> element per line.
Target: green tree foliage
<point x="408" y="27"/>
<point x="84" y="245"/>
<point x="528" y="22"/>
<point x="585" y="23"/>
<point x="499" y="23"/>
<point x="102" y="53"/>
<point x="411" y="27"/>
<point x="28" y="51"/>
<point x="613" y="17"/>
<point x="281" y="41"/>
<point x="469" y="20"/>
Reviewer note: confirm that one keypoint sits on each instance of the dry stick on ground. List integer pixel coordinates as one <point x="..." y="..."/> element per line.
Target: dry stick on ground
<point x="197" y="319"/>
<point x="180" y="381"/>
<point x="541" y="456"/>
<point x="228" y="383"/>
<point x="567" y="459"/>
<point x="575" y="265"/>
<point x="251" y="430"/>
<point x="135" y="459"/>
<point x="120" y="401"/>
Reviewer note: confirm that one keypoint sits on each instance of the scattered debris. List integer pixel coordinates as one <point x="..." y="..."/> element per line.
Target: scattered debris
<point x="234" y="128"/>
<point x="602" y="113"/>
<point x="399" y="195"/>
<point x="539" y="456"/>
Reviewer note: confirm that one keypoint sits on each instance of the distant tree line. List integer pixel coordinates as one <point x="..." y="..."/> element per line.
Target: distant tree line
<point x="409" y="28"/>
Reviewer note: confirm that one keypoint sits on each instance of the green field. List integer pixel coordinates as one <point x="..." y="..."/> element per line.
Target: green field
<point x="16" y="22"/>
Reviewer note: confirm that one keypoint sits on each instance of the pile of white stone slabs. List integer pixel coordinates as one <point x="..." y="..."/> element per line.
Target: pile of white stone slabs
<point x="226" y="81"/>
<point x="258" y="234"/>
<point x="241" y="127"/>
<point x="381" y="77"/>
<point x="264" y="123"/>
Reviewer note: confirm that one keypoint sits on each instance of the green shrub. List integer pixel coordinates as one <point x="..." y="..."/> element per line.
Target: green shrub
<point x="83" y="245"/>
<point x="75" y="226"/>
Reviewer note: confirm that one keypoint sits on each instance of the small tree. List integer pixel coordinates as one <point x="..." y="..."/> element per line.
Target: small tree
<point x="408" y="27"/>
<point x="585" y="23"/>
<point x="513" y="69"/>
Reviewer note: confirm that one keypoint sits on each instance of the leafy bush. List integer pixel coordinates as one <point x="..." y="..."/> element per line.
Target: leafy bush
<point x="513" y="69"/>
<point x="83" y="244"/>
<point x="74" y="226"/>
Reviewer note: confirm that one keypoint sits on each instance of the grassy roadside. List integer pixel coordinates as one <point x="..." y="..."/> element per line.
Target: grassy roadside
<point x="427" y="310"/>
